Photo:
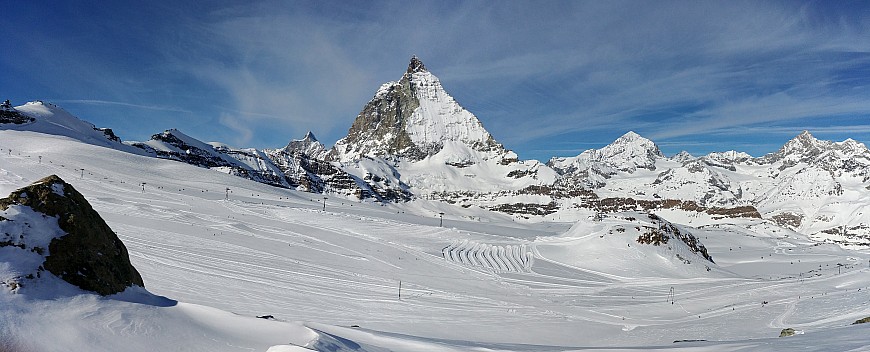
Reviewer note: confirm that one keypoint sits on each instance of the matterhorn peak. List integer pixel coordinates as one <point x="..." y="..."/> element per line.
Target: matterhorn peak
<point x="416" y="66"/>
<point x="412" y="119"/>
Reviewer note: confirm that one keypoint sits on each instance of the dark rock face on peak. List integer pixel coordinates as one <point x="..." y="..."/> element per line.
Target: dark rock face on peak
<point x="382" y="123"/>
<point x="416" y="65"/>
<point x="90" y="255"/>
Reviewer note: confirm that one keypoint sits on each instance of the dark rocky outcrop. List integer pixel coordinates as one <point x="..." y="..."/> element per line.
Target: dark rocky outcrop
<point x="90" y="255"/>
<point x="8" y="114"/>
<point x="663" y="231"/>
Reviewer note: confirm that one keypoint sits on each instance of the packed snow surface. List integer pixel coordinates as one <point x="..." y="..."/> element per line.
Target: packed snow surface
<point x="372" y="277"/>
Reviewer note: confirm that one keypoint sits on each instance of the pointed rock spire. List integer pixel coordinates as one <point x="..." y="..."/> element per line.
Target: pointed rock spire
<point x="412" y="118"/>
<point x="416" y="65"/>
<point x="309" y="137"/>
<point x="804" y="141"/>
<point x="308" y="145"/>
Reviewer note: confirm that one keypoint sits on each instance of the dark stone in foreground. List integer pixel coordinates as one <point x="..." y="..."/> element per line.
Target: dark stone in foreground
<point x="90" y="256"/>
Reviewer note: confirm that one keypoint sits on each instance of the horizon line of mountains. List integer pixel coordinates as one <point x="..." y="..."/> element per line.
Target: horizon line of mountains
<point x="412" y="140"/>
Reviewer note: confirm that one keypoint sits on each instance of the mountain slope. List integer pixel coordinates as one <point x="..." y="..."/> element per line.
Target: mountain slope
<point x="38" y="116"/>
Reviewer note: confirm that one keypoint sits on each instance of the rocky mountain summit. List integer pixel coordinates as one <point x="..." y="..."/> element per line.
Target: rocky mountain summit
<point x="50" y="227"/>
<point x="411" y="119"/>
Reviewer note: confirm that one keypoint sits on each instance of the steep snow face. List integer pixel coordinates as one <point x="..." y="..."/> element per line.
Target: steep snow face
<point x="439" y="118"/>
<point x="412" y="118"/>
<point x="51" y="119"/>
<point x="626" y="154"/>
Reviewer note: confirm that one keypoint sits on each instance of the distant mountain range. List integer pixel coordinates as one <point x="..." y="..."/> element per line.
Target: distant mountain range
<point x="414" y="141"/>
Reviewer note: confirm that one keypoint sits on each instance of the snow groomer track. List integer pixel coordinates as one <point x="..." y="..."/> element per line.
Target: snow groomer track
<point x="510" y="258"/>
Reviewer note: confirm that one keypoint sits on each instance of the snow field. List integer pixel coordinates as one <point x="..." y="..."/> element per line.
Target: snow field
<point x="273" y="251"/>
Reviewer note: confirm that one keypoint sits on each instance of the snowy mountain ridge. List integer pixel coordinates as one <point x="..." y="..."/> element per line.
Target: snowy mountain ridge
<point x="413" y="140"/>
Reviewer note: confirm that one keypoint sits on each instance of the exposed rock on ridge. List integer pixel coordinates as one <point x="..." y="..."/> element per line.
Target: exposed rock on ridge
<point x="8" y="114"/>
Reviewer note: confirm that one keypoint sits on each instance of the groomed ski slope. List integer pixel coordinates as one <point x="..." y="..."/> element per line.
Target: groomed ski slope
<point x="483" y="281"/>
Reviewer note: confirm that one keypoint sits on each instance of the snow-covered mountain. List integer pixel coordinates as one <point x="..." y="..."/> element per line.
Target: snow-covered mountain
<point x="813" y="186"/>
<point x="627" y="154"/>
<point x="817" y="187"/>
<point x="413" y="118"/>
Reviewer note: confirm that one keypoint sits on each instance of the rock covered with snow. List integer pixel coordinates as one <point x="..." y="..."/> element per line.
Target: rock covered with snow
<point x="49" y="226"/>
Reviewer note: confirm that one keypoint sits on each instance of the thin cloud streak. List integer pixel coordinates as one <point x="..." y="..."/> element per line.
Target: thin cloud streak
<point x="118" y="103"/>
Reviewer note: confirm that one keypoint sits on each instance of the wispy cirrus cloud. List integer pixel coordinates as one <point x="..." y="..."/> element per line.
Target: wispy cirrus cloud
<point x="119" y="103"/>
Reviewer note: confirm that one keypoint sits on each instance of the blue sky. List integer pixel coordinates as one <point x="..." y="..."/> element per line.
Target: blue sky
<point x="545" y="78"/>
